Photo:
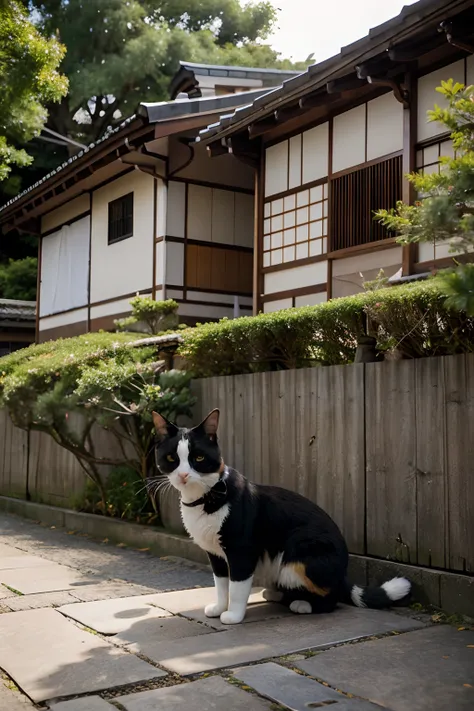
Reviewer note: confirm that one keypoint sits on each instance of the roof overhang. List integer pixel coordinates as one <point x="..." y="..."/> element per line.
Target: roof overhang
<point x="379" y="59"/>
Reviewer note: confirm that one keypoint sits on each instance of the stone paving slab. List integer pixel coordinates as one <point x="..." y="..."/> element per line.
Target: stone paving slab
<point x="148" y="637"/>
<point x="9" y="551"/>
<point x="12" y="699"/>
<point x="5" y="592"/>
<point x="44" y="578"/>
<point x="50" y="657"/>
<point x="16" y="562"/>
<point x="113" y="616"/>
<point x="110" y="589"/>
<point x="18" y="603"/>
<point x="426" y="670"/>
<point x="242" y="644"/>
<point x="294" y="691"/>
<point x="86" y="703"/>
<point x="213" y="694"/>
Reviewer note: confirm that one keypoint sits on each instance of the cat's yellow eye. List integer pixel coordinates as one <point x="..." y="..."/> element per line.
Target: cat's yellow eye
<point x="200" y="458"/>
<point x="170" y="458"/>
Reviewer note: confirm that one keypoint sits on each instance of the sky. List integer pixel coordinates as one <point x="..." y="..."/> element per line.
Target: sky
<point x="322" y="27"/>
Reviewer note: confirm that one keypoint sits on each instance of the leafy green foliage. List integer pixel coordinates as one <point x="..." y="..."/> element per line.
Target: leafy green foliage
<point x="445" y="211"/>
<point x="125" y="497"/>
<point x="29" y="79"/>
<point x="67" y="388"/>
<point x="155" y="316"/>
<point x="18" y="279"/>
<point x="412" y="319"/>
<point x="121" y="52"/>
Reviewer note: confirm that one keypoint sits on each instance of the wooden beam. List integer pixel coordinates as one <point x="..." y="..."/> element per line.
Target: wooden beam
<point x="261" y="127"/>
<point x="409" y="251"/>
<point x="412" y="52"/>
<point x="314" y="101"/>
<point x="347" y="83"/>
<point x="400" y="92"/>
<point x="289" y="112"/>
<point x="246" y="151"/>
<point x="456" y="38"/>
<point x="216" y="149"/>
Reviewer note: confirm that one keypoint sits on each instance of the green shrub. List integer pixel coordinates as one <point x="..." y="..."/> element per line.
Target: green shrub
<point x="18" y="279"/>
<point x="413" y="318"/>
<point x="155" y="316"/>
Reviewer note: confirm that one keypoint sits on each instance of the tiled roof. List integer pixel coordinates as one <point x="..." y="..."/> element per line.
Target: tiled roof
<point x="408" y="17"/>
<point x="17" y="310"/>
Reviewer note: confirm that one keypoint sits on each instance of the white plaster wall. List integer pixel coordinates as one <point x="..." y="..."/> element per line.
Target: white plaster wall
<point x="114" y="307"/>
<point x="296" y="277"/>
<point x="176" y="209"/>
<point x="211" y="311"/>
<point x="66" y="212"/>
<point x="276" y="168"/>
<point x="294" y="172"/>
<point x="174" y="263"/>
<point x="222" y="170"/>
<point x="470" y="70"/>
<point x="213" y="298"/>
<point x="160" y="263"/>
<point x="221" y="216"/>
<point x="47" y="322"/>
<point x="125" y="266"/>
<point x="384" y="126"/>
<point x="277" y="305"/>
<point x="428" y="97"/>
<point x="347" y="272"/>
<point x="348" y="139"/>
<point x="161" y="208"/>
<point x="244" y="220"/>
<point x="311" y="299"/>
<point x="199" y="212"/>
<point x="315" y="153"/>
<point x="65" y="268"/>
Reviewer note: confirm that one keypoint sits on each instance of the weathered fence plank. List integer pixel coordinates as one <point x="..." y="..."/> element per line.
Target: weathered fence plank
<point x="431" y="472"/>
<point x="13" y="458"/>
<point x="391" y="460"/>
<point x="459" y="373"/>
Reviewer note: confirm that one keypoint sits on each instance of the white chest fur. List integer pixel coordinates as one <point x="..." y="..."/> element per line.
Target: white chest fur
<point x="204" y="528"/>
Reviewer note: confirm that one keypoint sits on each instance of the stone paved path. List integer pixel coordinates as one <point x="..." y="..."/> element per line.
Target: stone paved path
<point x="86" y="625"/>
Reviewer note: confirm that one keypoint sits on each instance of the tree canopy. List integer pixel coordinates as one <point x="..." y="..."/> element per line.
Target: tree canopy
<point x="29" y="79"/>
<point x="122" y="52"/>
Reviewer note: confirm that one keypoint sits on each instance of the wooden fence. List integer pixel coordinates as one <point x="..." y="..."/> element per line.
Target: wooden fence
<point x="386" y="448"/>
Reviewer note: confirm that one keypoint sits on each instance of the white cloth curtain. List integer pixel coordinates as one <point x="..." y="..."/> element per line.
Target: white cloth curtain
<point x="65" y="268"/>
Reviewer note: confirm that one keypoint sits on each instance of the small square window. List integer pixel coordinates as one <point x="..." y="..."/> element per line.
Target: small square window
<point x="120" y="219"/>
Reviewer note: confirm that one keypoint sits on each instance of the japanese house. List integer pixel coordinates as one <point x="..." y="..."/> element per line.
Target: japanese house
<point x="333" y="145"/>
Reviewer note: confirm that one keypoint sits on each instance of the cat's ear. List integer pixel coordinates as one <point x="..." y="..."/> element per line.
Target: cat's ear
<point x="163" y="427"/>
<point x="209" y="424"/>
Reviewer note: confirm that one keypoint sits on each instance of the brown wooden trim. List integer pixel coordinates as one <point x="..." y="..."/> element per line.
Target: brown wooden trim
<point x="186" y="221"/>
<point x="87" y="213"/>
<point x="155" y="202"/>
<point x="224" y="304"/>
<point x="66" y="311"/>
<point x="210" y="291"/>
<point x="363" y="248"/>
<point x="295" y="263"/>
<point x="107" y="323"/>
<point x="69" y="330"/>
<point x="367" y="164"/>
<point x="329" y="280"/>
<point x="366" y="138"/>
<point x="442" y="263"/>
<point x="410" y="120"/>
<point x="294" y="293"/>
<point x="130" y="295"/>
<point x="219" y="245"/>
<point x="160" y="239"/>
<point x="89" y="275"/>
<point x="258" y="237"/>
<point x="207" y="184"/>
<point x="38" y="287"/>
<point x="440" y="138"/>
<point x="292" y="191"/>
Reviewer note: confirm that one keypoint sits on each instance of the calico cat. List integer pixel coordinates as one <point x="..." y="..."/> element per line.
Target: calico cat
<point x="257" y="534"/>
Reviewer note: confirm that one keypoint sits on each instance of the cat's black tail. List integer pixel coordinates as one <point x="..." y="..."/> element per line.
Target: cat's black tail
<point x="377" y="597"/>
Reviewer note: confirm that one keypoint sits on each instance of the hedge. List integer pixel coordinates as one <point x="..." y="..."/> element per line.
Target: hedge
<point x="411" y="319"/>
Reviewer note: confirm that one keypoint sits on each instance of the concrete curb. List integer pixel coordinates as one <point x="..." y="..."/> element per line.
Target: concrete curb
<point x="449" y="591"/>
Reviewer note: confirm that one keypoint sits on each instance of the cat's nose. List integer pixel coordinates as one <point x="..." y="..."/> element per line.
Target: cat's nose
<point x="183" y="476"/>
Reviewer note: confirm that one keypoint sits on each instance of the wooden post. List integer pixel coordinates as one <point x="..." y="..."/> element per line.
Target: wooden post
<point x="409" y="251"/>
<point x="38" y="289"/>
<point x="258" y="234"/>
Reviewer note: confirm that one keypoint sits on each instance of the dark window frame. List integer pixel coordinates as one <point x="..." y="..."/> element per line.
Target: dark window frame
<point x="120" y="219"/>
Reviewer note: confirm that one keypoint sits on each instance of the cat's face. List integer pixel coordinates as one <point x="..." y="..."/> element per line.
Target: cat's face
<point x="190" y="458"/>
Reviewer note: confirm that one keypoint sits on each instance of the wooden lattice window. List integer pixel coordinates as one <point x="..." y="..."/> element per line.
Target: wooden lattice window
<point x="120" y="218"/>
<point x="356" y="196"/>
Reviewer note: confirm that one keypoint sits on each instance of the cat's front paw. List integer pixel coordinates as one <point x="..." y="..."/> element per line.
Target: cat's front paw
<point x="214" y="610"/>
<point x="232" y="618"/>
